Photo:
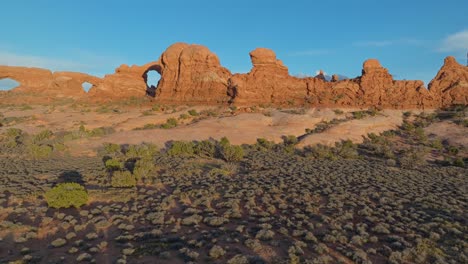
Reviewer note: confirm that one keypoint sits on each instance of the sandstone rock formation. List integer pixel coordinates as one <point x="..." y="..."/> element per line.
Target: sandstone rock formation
<point x="450" y="85"/>
<point x="42" y="81"/>
<point x="268" y="82"/>
<point x="192" y="74"/>
<point x="126" y="82"/>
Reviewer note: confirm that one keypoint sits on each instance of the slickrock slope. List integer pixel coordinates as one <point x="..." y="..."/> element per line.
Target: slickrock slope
<point x="192" y="74"/>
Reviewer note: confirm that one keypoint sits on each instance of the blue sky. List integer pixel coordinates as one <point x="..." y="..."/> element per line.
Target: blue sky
<point x="410" y="38"/>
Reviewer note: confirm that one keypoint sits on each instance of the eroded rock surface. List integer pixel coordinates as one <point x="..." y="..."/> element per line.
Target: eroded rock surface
<point x="450" y="85"/>
<point x="192" y="74"/>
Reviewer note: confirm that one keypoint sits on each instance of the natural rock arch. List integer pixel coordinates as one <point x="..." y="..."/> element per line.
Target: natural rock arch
<point x="150" y="87"/>
<point x="8" y="84"/>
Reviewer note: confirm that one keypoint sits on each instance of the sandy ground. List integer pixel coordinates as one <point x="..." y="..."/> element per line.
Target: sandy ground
<point x="240" y="128"/>
<point x="356" y="129"/>
<point x="453" y="133"/>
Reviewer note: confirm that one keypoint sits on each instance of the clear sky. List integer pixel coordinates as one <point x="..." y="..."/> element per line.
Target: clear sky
<point x="410" y="38"/>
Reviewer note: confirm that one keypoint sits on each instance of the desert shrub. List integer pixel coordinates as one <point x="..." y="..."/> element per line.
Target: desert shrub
<point x="437" y="144"/>
<point x="40" y="151"/>
<point x="290" y="140"/>
<point x="122" y="179"/>
<point x="156" y="108"/>
<point x="359" y="114"/>
<point x="205" y="148"/>
<point x="224" y="141"/>
<point x="264" y="144"/>
<point x="216" y="252"/>
<point x="13" y="137"/>
<point x="170" y="123"/>
<point x="100" y="131"/>
<point x="184" y="116"/>
<point x="181" y="148"/>
<point x="459" y="162"/>
<point x="66" y="195"/>
<point x="113" y="164"/>
<point x="145" y="151"/>
<point x="142" y="168"/>
<point x="378" y="145"/>
<point x="59" y="242"/>
<point x="43" y="135"/>
<point x="453" y="150"/>
<point x="338" y="111"/>
<point x="289" y="143"/>
<point x="413" y="157"/>
<point x="232" y="153"/>
<point x="148" y="126"/>
<point x="420" y="135"/>
<point x="111" y="149"/>
<point x="193" y="112"/>
<point x="319" y="151"/>
<point x="346" y="149"/>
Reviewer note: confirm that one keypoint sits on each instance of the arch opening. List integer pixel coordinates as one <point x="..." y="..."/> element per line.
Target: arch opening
<point x="86" y="86"/>
<point x="152" y="76"/>
<point x="8" y="84"/>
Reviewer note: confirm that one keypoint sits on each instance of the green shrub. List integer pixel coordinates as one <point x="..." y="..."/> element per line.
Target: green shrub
<point x="144" y="151"/>
<point x="232" y="153"/>
<point x="359" y="114"/>
<point x="66" y="195"/>
<point x="264" y="144"/>
<point x="122" y="179"/>
<point x="43" y="135"/>
<point x="319" y="151"/>
<point x="113" y="164"/>
<point x="224" y="141"/>
<point x="184" y="116"/>
<point x="413" y="157"/>
<point x="346" y="149"/>
<point x="205" y="148"/>
<point x="142" y="169"/>
<point x="111" y="149"/>
<point x="170" y="123"/>
<point x="290" y="140"/>
<point x="193" y="112"/>
<point x="101" y="131"/>
<point x="338" y="111"/>
<point x="179" y="148"/>
<point x="459" y="162"/>
<point x="40" y="151"/>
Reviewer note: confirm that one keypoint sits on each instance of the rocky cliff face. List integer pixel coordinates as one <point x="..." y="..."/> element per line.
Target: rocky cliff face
<point x="192" y="74"/>
<point x="268" y="82"/>
<point x="42" y="81"/>
<point x="450" y="85"/>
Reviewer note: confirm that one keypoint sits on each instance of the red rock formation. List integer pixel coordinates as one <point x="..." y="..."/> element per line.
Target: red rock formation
<point x="41" y="81"/>
<point x="268" y="82"/>
<point x="36" y="79"/>
<point x="450" y="86"/>
<point x="126" y="82"/>
<point x="321" y="75"/>
<point x="191" y="74"/>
